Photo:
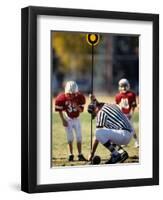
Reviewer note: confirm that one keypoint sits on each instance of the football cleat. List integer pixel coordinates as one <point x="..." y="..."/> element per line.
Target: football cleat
<point x="119" y="158"/>
<point x="71" y="157"/>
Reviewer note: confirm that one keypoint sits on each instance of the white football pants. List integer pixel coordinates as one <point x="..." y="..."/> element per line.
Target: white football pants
<point x="121" y="137"/>
<point x="73" y="125"/>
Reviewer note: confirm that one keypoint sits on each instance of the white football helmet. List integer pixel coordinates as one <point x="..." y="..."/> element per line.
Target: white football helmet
<point x="124" y="84"/>
<point x="71" y="87"/>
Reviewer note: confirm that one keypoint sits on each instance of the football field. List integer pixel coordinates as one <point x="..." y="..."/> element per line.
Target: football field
<point x="59" y="141"/>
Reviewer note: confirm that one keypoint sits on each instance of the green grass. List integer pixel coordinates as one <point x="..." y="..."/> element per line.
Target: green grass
<point x="60" y="148"/>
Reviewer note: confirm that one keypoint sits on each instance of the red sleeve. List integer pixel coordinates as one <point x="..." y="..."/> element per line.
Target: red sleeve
<point x="81" y="99"/>
<point x="60" y="103"/>
<point x="134" y="104"/>
<point x="117" y="99"/>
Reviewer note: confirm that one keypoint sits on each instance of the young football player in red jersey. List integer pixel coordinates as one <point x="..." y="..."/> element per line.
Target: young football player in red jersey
<point x="126" y="99"/>
<point x="69" y="105"/>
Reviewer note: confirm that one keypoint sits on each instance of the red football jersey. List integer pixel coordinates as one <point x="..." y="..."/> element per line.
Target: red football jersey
<point x="126" y="101"/>
<point x="67" y="104"/>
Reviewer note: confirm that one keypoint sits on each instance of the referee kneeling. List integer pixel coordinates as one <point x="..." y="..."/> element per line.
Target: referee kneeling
<point x="112" y="130"/>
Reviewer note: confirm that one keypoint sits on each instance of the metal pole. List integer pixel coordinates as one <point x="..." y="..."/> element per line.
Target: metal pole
<point x="92" y="69"/>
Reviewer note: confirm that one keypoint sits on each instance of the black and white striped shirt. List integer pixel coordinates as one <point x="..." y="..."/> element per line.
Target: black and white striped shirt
<point x="110" y="116"/>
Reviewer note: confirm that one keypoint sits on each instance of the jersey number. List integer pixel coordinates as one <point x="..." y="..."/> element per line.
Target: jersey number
<point x="71" y="108"/>
<point x="124" y="103"/>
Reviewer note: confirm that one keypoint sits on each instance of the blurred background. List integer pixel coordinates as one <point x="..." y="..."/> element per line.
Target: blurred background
<point x="115" y="57"/>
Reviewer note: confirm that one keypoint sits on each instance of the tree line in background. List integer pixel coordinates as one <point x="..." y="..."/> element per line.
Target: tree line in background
<point x="115" y="57"/>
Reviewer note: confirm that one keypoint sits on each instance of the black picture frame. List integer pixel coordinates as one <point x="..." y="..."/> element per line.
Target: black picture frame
<point x="29" y="98"/>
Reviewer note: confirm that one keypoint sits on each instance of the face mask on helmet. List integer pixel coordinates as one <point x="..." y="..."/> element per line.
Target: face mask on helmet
<point x="124" y="85"/>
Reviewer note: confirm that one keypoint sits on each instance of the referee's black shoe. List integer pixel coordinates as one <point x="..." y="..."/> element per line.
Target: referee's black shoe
<point x="119" y="158"/>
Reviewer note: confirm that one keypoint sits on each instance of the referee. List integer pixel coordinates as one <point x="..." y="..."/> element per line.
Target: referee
<point x="113" y="129"/>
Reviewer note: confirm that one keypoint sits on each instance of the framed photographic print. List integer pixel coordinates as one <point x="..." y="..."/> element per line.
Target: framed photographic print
<point x="90" y="99"/>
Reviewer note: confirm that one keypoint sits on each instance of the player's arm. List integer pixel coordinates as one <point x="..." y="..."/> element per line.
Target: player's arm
<point x="81" y="102"/>
<point x="80" y="108"/>
<point x="95" y="144"/>
<point x="64" y="121"/>
<point x="116" y="99"/>
<point x="59" y="107"/>
<point x="132" y="109"/>
<point x="134" y="104"/>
